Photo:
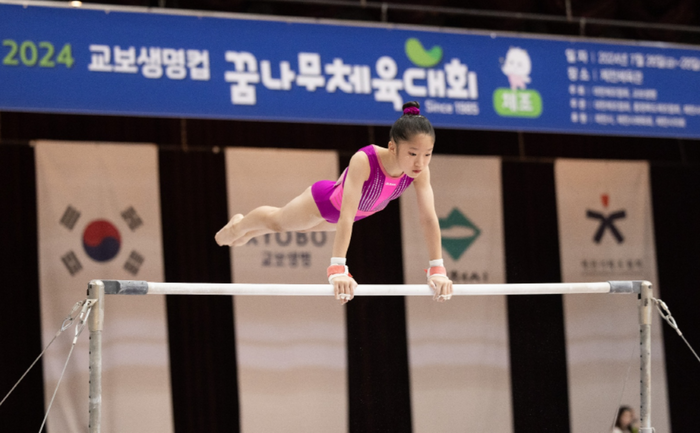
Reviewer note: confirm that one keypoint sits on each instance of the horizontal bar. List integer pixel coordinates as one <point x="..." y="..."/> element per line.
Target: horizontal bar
<point x="128" y="287"/>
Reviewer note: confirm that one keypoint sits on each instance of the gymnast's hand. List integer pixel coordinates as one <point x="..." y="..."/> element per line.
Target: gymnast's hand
<point x="344" y="288"/>
<point x="442" y="288"/>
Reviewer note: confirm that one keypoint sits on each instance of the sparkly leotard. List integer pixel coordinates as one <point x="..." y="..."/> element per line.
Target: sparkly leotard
<point x="377" y="191"/>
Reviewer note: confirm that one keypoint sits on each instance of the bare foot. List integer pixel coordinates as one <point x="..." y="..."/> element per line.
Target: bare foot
<point x="225" y="236"/>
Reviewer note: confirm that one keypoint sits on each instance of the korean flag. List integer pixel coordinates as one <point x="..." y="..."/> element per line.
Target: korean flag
<point x="99" y="218"/>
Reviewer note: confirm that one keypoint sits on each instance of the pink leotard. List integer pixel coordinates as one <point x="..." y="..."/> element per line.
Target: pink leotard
<point x="377" y="191"/>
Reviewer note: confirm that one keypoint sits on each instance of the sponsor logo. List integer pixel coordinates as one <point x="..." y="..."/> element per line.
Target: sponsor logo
<point x="420" y="56"/>
<point x="290" y="250"/>
<point x="517" y="100"/>
<point x="608" y="262"/>
<point x="607" y="221"/>
<point x="458" y="233"/>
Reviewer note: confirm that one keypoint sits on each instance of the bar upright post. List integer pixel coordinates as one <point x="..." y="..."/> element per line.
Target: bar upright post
<point x="96" y="290"/>
<point x="645" y="313"/>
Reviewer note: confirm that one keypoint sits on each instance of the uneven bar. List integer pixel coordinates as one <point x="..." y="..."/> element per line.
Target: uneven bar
<point x="98" y="288"/>
<point x="130" y="287"/>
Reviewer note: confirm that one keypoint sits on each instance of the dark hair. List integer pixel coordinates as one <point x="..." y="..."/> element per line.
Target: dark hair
<point x="409" y="125"/>
<point x="622" y="410"/>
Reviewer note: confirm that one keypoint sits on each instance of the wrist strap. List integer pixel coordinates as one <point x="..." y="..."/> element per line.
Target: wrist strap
<point x="338" y="261"/>
<point x="436" y="271"/>
<point x="436" y="262"/>
<point x="335" y="271"/>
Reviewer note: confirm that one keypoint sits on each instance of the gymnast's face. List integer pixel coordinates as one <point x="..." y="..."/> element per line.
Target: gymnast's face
<point x="413" y="155"/>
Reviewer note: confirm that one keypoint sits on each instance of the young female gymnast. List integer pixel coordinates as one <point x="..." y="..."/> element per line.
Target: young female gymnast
<point x="375" y="176"/>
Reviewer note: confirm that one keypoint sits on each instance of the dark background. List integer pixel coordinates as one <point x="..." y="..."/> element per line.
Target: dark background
<point x="193" y="203"/>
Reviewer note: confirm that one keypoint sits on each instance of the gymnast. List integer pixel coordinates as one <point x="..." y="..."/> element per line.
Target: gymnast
<point x="375" y="176"/>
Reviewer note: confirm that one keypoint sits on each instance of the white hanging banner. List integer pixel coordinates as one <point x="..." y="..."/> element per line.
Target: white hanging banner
<point x="99" y="218"/>
<point x="291" y="351"/>
<point x="458" y="350"/>
<point x="273" y="177"/>
<point x="606" y="233"/>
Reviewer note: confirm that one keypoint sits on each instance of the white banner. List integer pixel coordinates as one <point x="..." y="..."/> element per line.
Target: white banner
<point x="458" y="351"/>
<point x="606" y="233"/>
<point x="99" y="218"/>
<point x="291" y="350"/>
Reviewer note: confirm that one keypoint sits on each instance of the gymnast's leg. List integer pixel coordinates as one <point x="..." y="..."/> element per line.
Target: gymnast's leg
<point x="298" y="215"/>
<point x="324" y="226"/>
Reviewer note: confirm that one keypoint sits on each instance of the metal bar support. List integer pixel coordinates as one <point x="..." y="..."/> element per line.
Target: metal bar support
<point x="646" y="305"/>
<point x="96" y="290"/>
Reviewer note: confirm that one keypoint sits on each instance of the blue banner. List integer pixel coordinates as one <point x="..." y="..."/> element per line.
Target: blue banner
<point x="169" y="64"/>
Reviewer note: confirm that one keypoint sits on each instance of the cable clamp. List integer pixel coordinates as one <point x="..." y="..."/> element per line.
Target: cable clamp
<point x="74" y="313"/>
<point x="666" y="314"/>
<point x="83" y="316"/>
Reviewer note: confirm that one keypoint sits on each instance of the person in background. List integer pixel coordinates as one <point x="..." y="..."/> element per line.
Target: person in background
<point x="625" y="422"/>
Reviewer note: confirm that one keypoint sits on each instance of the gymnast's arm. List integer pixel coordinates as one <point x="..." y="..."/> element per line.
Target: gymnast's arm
<point x="358" y="173"/>
<point x="427" y="215"/>
<point x="431" y="230"/>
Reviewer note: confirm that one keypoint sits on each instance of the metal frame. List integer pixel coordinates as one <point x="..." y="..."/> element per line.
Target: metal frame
<point x="645" y="313"/>
<point x="97" y="289"/>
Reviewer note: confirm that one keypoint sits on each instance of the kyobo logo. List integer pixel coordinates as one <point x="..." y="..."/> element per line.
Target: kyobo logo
<point x="420" y="56"/>
<point x="458" y="233"/>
